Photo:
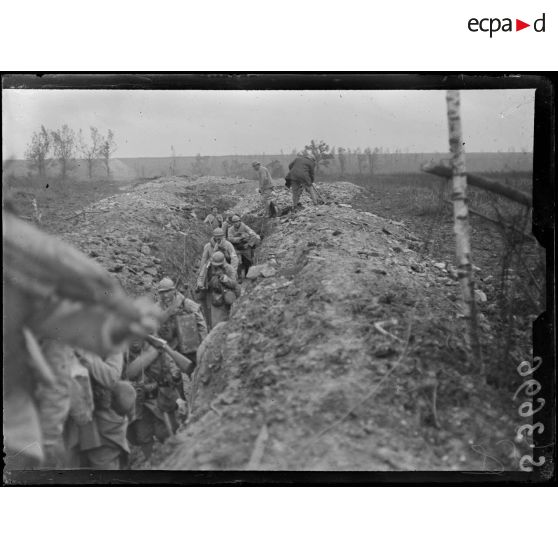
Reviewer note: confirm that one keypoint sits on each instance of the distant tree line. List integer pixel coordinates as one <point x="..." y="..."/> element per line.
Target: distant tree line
<point x="366" y="160"/>
<point x="64" y="145"/>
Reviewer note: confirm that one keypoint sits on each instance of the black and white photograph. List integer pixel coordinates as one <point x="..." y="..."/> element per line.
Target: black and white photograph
<point x="274" y="273"/>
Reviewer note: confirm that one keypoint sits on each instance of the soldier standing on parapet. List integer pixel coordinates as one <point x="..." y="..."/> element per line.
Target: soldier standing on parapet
<point x="244" y="240"/>
<point x="265" y="186"/>
<point x="301" y="177"/>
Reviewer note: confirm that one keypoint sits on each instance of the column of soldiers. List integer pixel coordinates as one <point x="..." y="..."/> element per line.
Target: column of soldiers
<point x="223" y="266"/>
<point x="89" y="371"/>
<point x="229" y="253"/>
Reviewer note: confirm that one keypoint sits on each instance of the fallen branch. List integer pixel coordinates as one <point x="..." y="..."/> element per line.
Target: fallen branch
<point x="380" y="327"/>
<point x="216" y="411"/>
<point x="259" y="448"/>
<point x="434" y="409"/>
<point x="483" y="183"/>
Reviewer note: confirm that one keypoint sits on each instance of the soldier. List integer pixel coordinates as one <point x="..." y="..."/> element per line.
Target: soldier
<point x="214" y="219"/>
<point x="158" y="385"/>
<point x="227" y="222"/>
<point x="54" y="293"/>
<point x="157" y="371"/>
<point x="265" y="186"/>
<point x="182" y="323"/>
<point x="218" y="243"/>
<point x="301" y="177"/>
<point x="244" y="240"/>
<point x="222" y="288"/>
<point x="54" y="401"/>
<point x="96" y="436"/>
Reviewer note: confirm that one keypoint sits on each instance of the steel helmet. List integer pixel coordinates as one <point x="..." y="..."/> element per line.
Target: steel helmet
<point x="235" y="218"/>
<point x="123" y="398"/>
<point x="218" y="259"/>
<point x="256" y="164"/>
<point x="166" y="284"/>
<point x="218" y="232"/>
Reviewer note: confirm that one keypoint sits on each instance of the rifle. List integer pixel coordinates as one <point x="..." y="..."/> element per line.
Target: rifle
<point x="184" y="364"/>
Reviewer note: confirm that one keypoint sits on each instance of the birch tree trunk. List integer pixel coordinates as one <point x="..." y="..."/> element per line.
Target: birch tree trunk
<point x="461" y="224"/>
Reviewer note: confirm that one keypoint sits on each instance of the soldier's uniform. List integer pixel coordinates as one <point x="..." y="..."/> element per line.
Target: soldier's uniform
<point x="301" y="176"/>
<point x="52" y="293"/>
<point x="161" y="383"/>
<point x="244" y="240"/>
<point x="100" y="443"/>
<point x="158" y="389"/>
<point x="214" y="220"/>
<point x="265" y="185"/>
<point x="224" y="246"/>
<point x="222" y="289"/>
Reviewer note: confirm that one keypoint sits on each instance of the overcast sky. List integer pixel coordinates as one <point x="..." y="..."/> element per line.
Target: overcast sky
<point x="147" y="123"/>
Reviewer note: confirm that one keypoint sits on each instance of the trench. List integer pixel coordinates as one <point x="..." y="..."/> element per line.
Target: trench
<point x="301" y="377"/>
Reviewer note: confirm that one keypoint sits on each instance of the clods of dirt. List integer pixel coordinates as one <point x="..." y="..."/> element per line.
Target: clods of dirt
<point x="349" y="357"/>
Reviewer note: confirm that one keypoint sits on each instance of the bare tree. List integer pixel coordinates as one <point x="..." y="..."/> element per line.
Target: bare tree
<point x="372" y="159"/>
<point x="361" y="159"/>
<point x="107" y="148"/>
<point x="342" y="157"/>
<point x="321" y="152"/>
<point x="64" y="147"/>
<point x="90" y="151"/>
<point x="173" y="162"/>
<point x="38" y="150"/>
<point x="461" y="222"/>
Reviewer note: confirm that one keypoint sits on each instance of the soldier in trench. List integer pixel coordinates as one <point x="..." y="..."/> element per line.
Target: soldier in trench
<point x="222" y="288"/>
<point x="99" y="440"/>
<point x="214" y="219"/>
<point x="84" y="412"/>
<point x="53" y="294"/>
<point x="160" y="383"/>
<point x="244" y="240"/>
<point x="217" y="243"/>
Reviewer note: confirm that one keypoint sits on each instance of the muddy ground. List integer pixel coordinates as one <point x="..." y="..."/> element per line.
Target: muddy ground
<point x="343" y="353"/>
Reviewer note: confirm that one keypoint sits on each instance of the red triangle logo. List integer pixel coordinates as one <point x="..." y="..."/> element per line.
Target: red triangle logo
<point x="519" y="25"/>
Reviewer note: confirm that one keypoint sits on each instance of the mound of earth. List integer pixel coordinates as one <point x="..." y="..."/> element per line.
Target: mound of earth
<point x="152" y="229"/>
<point x="344" y="352"/>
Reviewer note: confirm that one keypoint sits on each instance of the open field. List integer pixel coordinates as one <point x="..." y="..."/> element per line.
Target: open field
<point x="301" y="359"/>
<point x="239" y="165"/>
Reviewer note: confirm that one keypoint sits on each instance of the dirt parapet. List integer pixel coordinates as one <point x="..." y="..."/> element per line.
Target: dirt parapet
<point x="345" y="354"/>
<point x="153" y="229"/>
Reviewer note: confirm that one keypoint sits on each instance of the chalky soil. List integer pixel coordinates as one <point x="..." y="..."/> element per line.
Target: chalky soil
<point x="343" y="352"/>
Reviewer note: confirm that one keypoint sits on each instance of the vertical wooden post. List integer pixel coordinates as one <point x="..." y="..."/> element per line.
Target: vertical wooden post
<point x="461" y="224"/>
